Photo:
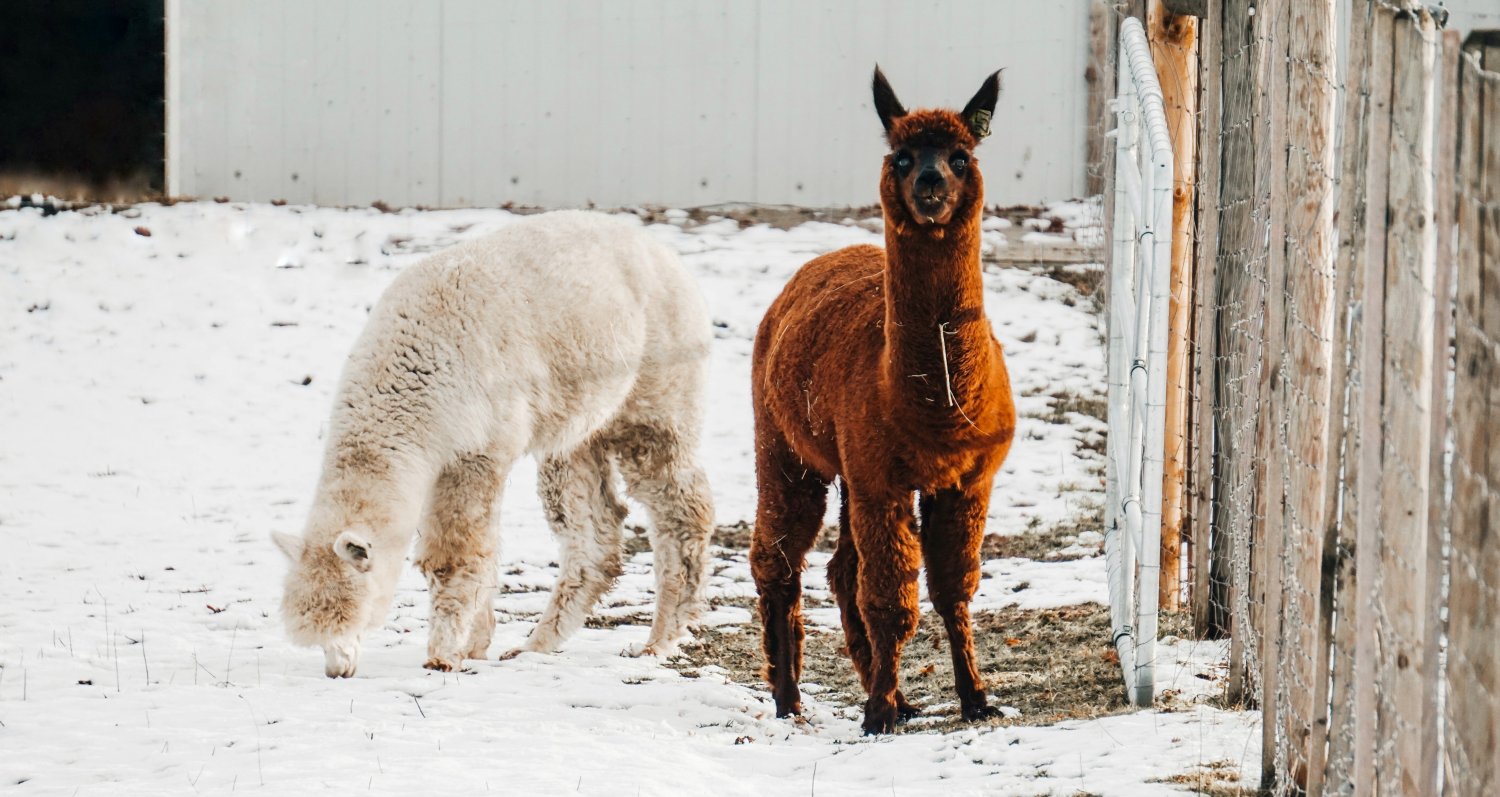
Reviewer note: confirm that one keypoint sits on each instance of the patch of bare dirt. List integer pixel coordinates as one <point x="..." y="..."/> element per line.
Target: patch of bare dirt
<point x="1051" y="664"/>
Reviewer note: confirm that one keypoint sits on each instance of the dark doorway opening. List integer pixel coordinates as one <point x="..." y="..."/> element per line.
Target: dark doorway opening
<point x="82" y="98"/>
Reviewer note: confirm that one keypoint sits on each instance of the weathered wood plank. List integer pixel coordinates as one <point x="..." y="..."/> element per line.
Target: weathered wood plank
<point x="1472" y="709"/>
<point x="1303" y="389"/>
<point x="1406" y="667"/>
<point x="1023" y="253"/>
<point x="1490" y="263"/>
<point x="1365" y="403"/>
<point x="1100" y="79"/>
<point x="1174" y="50"/>
<point x="1192" y="8"/>
<point x="1271" y="215"/>
<point x="1210" y="563"/>
<point x="1444" y="155"/>
<point x="1338" y="586"/>
<point x="1240" y="300"/>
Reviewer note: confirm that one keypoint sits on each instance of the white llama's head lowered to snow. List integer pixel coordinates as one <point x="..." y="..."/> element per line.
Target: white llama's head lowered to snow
<point x="328" y="598"/>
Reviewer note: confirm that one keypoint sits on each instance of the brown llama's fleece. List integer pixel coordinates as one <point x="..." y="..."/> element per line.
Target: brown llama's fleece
<point x="879" y="367"/>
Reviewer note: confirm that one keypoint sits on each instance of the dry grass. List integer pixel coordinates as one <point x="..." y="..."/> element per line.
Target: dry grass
<point x="734" y="536"/>
<point x="1051" y="664"/>
<point x="1214" y="779"/>
<point x="1055" y="543"/>
<point x="597" y="620"/>
<point x="1086" y="278"/>
<point x="787" y="216"/>
<point x="1065" y="402"/>
<point x="782" y="217"/>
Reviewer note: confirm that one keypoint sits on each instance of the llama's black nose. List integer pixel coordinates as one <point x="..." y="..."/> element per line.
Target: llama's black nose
<point x="929" y="181"/>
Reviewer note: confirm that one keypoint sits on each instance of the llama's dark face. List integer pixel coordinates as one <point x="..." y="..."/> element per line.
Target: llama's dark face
<point x="930" y="173"/>
<point x="931" y="179"/>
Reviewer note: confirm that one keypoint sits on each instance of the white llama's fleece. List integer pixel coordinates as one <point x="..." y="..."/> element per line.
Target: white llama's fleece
<point x="570" y="335"/>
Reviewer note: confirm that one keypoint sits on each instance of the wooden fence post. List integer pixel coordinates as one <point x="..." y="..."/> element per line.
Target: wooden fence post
<point x="1407" y="669"/>
<point x="1240" y="301"/>
<point x="1099" y="76"/>
<point x="1210" y="552"/>
<point x="1444" y="157"/>
<point x="1338" y="596"/>
<point x="1301" y="407"/>
<point x="1472" y="713"/>
<point x="1365" y="405"/>
<point x="1174" y="49"/>
<point x="1491" y="265"/>
<point x="1270" y="227"/>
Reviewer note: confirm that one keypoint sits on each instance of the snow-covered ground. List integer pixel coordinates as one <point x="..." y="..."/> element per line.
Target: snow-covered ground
<point x="165" y="377"/>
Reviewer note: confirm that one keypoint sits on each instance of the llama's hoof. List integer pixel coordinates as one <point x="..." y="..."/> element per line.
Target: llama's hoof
<point x="789" y="708"/>
<point x="904" y="710"/>
<point x="880" y="720"/>
<point x="660" y="650"/>
<point x="439" y="664"/>
<point x="340" y="659"/>
<point x="883" y="715"/>
<point x="980" y="712"/>
<point x="514" y="652"/>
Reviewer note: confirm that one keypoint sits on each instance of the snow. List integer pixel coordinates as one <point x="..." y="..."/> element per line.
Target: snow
<point x="162" y="403"/>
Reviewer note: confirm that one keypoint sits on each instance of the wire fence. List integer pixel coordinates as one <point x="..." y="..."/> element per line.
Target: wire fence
<point x="1342" y="476"/>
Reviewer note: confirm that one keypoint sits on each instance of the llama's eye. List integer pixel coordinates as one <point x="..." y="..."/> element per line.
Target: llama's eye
<point x="959" y="163"/>
<point x="903" y="161"/>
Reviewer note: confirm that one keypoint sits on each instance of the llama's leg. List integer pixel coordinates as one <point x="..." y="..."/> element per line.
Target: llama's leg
<point x="952" y="532"/>
<point x="788" y="516"/>
<point x="843" y="579"/>
<point x="482" y="632"/>
<point x="889" y="558"/>
<point x="662" y="474"/>
<point x="578" y="494"/>
<point x="457" y="552"/>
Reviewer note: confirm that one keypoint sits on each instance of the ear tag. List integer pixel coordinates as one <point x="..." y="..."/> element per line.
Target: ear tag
<point x="979" y="123"/>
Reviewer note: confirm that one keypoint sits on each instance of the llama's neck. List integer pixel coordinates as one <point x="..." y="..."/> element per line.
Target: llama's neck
<point x="938" y="340"/>
<point x="361" y="485"/>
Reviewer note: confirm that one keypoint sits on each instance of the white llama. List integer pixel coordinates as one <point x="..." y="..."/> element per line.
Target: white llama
<point x="572" y="336"/>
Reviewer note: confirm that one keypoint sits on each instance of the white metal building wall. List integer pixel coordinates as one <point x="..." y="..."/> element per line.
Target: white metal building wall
<point x="480" y="102"/>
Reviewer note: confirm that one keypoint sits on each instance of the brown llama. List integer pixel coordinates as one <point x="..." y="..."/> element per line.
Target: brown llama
<point x="880" y="368"/>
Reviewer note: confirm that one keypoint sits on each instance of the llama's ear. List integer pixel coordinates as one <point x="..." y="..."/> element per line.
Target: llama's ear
<point x="289" y="545"/>
<point x="353" y="549"/>
<point x="886" y="105"/>
<point x="981" y="108"/>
